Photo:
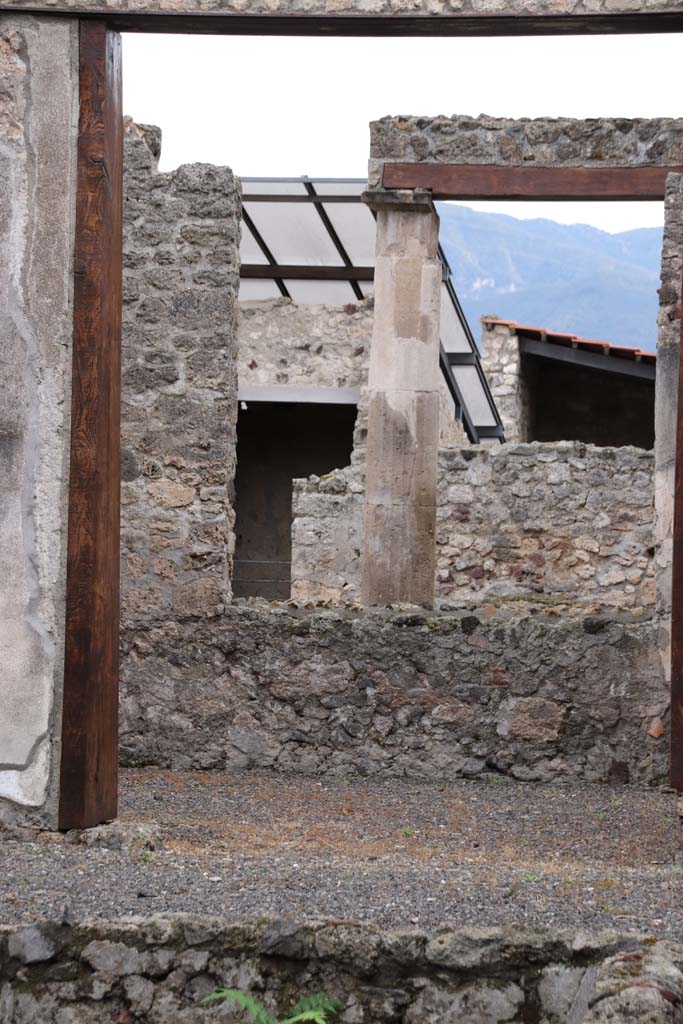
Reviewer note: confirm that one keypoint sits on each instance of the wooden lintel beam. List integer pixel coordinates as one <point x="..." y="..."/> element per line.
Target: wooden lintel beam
<point x="391" y="24"/>
<point x="486" y="181"/>
<point x="89" y="750"/>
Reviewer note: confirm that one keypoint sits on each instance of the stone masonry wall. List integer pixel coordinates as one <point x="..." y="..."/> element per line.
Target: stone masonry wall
<point x="38" y="134"/>
<point x="666" y="400"/>
<point x="566" y="523"/>
<point x="158" y="969"/>
<point x="535" y="694"/>
<point x="281" y="342"/>
<point x="179" y="391"/>
<point x="543" y="142"/>
<point x="501" y="360"/>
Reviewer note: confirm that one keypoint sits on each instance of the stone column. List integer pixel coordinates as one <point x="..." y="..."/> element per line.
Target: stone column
<point x="666" y="399"/>
<point x="39" y="127"/>
<point x="399" y="516"/>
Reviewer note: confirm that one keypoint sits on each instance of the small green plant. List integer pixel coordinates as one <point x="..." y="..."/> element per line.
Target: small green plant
<point x="408" y="831"/>
<point x="315" y="1009"/>
<point x="145" y="856"/>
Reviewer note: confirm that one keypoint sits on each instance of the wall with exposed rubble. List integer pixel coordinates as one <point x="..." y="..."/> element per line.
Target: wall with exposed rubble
<point x="283" y="343"/>
<point x="567" y="523"/>
<point x="38" y="129"/>
<point x="179" y="382"/>
<point x="501" y="360"/>
<point x="517" y="689"/>
<point x="160" y="968"/>
<point x="540" y="142"/>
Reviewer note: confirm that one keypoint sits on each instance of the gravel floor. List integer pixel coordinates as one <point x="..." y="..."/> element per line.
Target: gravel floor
<point x="394" y="853"/>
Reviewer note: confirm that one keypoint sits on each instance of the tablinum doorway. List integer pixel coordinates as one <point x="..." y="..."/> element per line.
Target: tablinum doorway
<point x="89" y="740"/>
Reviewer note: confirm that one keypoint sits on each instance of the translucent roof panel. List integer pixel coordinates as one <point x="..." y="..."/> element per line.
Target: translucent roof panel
<point x="356" y="229"/>
<point x="294" y="233"/>
<point x="474" y="396"/>
<point x="324" y="293"/>
<point x="250" y="250"/>
<point x="273" y="186"/>
<point x="255" y="289"/>
<point x="454" y="337"/>
<point x="332" y="187"/>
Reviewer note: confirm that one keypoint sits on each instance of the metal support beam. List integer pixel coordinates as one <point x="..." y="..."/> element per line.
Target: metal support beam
<point x="580" y="357"/>
<point x="264" y="271"/>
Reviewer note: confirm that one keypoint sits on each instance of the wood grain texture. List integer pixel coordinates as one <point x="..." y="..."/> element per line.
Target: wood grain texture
<point x="193" y="22"/>
<point x="459" y="181"/>
<point x="676" y="772"/>
<point x="89" y="774"/>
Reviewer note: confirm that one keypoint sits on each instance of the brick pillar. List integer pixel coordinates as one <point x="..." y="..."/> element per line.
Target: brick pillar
<point x="399" y="516"/>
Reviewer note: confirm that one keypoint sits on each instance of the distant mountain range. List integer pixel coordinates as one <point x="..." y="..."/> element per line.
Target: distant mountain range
<point x="570" y="278"/>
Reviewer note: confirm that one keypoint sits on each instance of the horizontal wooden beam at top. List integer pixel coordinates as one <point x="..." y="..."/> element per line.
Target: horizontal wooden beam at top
<point x="487" y="181"/>
<point x="271" y="271"/>
<point x="205" y="23"/>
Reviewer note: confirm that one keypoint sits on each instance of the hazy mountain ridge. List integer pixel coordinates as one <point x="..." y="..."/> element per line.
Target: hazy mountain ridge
<point x="572" y="278"/>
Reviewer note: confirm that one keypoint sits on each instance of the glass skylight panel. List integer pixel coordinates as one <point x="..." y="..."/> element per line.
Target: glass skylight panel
<point x="474" y="396"/>
<point x="272" y="187"/>
<point x="453" y="335"/>
<point x="339" y="188"/>
<point x="253" y="288"/>
<point x="294" y="233"/>
<point x="324" y="293"/>
<point x="250" y="250"/>
<point x="356" y="228"/>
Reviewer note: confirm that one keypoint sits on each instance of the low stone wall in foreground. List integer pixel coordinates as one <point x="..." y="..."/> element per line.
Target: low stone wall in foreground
<point x="522" y="691"/>
<point x="158" y="969"/>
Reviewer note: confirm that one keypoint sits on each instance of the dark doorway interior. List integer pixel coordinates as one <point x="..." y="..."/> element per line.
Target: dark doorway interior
<point x="576" y="403"/>
<point x="277" y="442"/>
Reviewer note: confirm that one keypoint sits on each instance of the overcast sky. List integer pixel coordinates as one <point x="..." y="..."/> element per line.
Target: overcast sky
<point x="278" y="106"/>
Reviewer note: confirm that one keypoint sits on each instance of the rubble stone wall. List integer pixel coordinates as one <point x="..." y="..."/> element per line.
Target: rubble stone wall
<point x="530" y="693"/>
<point x="179" y="382"/>
<point x="501" y="360"/>
<point x="567" y="523"/>
<point x="542" y="142"/>
<point x="159" y="968"/>
<point x="283" y="343"/>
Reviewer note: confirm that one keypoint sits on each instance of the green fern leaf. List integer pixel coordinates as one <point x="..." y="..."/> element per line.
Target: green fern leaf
<point x="315" y="1009"/>
<point x="314" y="1016"/>
<point x="256" y="1010"/>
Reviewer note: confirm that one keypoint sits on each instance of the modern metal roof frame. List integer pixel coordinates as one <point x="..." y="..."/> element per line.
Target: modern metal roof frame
<point x="279" y="273"/>
<point x="576" y="356"/>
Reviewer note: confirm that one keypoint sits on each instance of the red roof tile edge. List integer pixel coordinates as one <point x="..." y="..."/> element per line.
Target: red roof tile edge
<point x="573" y="340"/>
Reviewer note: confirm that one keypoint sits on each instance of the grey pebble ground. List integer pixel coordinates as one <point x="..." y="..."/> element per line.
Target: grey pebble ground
<point x="393" y="853"/>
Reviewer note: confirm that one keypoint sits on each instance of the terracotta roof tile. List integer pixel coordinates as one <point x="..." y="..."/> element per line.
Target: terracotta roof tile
<point x="574" y="341"/>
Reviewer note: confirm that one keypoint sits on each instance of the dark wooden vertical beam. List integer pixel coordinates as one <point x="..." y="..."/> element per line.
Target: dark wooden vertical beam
<point x="676" y="773"/>
<point x="89" y="774"/>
